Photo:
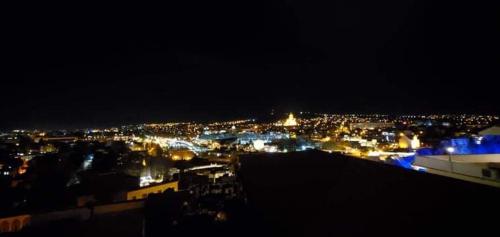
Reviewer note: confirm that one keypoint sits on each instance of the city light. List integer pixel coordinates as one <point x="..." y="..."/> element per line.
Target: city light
<point x="147" y="156"/>
<point x="450" y="150"/>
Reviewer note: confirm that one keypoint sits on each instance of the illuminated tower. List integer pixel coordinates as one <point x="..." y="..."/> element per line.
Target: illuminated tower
<point x="290" y="121"/>
<point x="404" y="141"/>
<point x="415" y="143"/>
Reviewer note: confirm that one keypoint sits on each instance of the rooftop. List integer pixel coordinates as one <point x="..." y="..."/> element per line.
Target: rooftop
<point x="319" y="194"/>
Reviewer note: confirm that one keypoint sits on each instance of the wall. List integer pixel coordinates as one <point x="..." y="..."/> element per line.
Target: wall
<point x="471" y="165"/>
<point x="144" y="192"/>
<point x="118" y="207"/>
<point x="434" y="162"/>
<point x="479" y="158"/>
<point x="14" y="223"/>
<point x="74" y="214"/>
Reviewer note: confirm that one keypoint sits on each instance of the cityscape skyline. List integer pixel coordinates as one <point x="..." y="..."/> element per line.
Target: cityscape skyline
<point x="249" y="118"/>
<point x="260" y="117"/>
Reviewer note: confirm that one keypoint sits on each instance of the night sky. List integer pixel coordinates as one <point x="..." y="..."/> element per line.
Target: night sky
<point x="95" y="65"/>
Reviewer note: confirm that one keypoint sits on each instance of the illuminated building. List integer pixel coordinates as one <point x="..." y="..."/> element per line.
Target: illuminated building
<point x="250" y="137"/>
<point x="258" y="145"/>
<point x="182" y="154"/>
<point x="59" y="139"/>
<point x="370" y="125"/>
<point x="362" y="142"/>
<point x="290" y="121"/>
<point x="49" y="148"/>
<point x="137" y="147"/>
<point x="415" y="143"/>
<point x="148" y="180"/>
<point x="155" y="151"/>
<point x="87" y="162"/>
<point x="471" y="159"/>
<point x="404" y="142"/>
<point x="143" y="193"/>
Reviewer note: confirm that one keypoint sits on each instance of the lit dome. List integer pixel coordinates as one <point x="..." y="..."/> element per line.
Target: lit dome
<point x="290" y="121"/>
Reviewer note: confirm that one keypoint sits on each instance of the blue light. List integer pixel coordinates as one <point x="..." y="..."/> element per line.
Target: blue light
<point x="466" y="146"/>
<point x="405" y="162"/>
<point x="87" y="163"/>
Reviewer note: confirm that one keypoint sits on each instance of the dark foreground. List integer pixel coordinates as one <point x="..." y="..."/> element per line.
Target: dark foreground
<point x="309" y="194"/>
<point x="318" y="194"/>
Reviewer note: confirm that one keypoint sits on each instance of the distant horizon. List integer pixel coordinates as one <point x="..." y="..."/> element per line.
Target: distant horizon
<point x="220" y="61"/>
<point x="258" y="117"/>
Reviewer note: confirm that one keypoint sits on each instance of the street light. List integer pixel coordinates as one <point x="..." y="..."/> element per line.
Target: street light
<point x="450" y="151"/>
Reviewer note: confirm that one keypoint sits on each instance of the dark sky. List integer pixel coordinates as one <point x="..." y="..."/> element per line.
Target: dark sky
<point x="96" y="65"/>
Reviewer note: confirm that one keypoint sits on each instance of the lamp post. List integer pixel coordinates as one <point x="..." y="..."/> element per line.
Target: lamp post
<point x="450" y="151"/>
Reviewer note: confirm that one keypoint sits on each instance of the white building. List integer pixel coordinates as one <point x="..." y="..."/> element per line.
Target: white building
<point x="479" y="168"/>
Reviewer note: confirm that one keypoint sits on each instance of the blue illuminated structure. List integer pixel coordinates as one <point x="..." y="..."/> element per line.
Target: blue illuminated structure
<point x="489" y="144"/>
<point x="405" y="162"/>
